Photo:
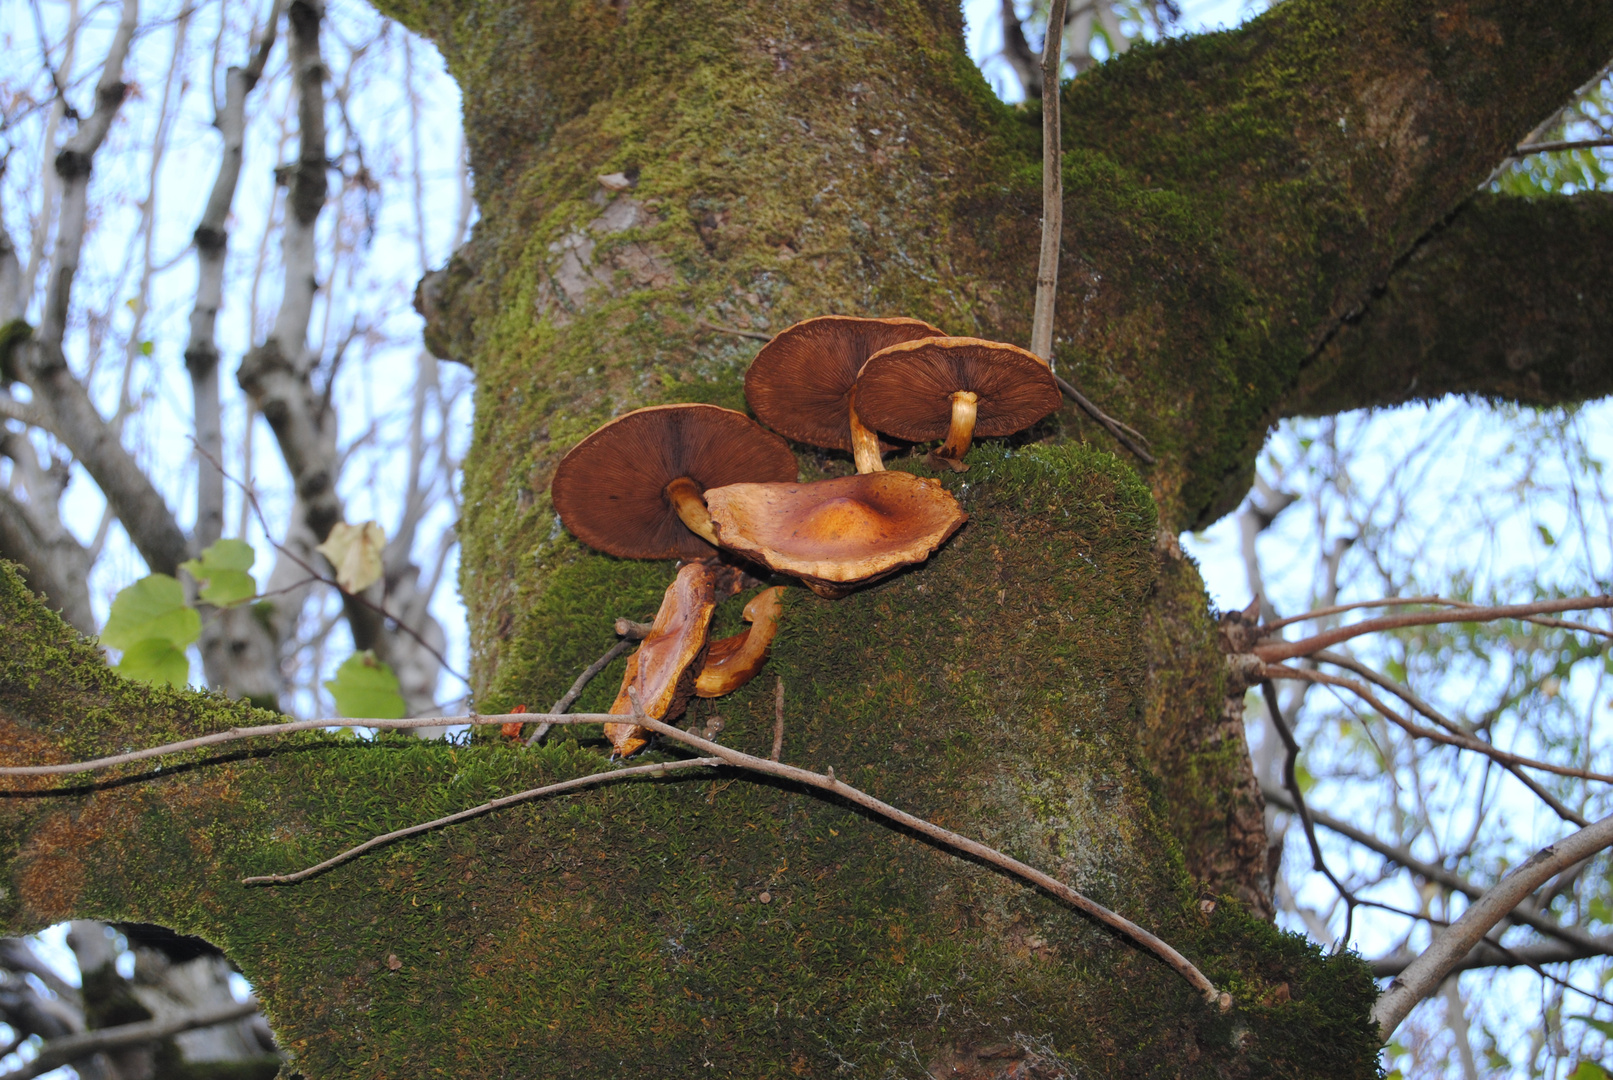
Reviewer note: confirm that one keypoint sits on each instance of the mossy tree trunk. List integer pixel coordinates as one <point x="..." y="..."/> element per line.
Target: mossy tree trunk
<point x="1250" y="219"/>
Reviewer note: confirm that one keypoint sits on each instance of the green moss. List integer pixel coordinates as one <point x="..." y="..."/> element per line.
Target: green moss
<point x="621" y="931"/>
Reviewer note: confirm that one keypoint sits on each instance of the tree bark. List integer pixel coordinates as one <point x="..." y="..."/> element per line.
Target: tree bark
<point x="1050" y="683"/>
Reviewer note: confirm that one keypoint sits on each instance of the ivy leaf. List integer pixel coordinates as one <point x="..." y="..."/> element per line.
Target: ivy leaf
<point x="155" y="660"/>
<point x="222" y="572"/>
<point x="366" y="689"/>
<point x="355" y="552"/>
<point x="153" y="607"/>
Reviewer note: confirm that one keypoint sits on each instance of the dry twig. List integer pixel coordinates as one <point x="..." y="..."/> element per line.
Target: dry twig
<point x="1271" y="651"/>
<point x="591" y="780"/>
<point x="1465" y="742"/>
<point x="577" y="687"/>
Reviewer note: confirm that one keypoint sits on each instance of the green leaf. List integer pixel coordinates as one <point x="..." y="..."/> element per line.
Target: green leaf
<point x="1303" y="777"/>
<point x="365" y="688"/>
<point x="153" y="607"/>
<point x="222" y="573"/>
<point x="147" y="348"/>
<point x="1588" y="1070"/>
<point x="155" y="660"/>
<point x="1545" y="535"/>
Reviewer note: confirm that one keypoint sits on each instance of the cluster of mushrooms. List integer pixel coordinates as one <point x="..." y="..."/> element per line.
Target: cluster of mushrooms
<point x="698" y="482"/>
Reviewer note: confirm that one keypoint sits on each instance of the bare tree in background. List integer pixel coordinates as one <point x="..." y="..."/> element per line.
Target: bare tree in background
<point x="265" y="145"/>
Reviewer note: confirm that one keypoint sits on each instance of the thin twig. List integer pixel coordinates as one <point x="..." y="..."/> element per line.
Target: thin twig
<point x="313" y="572"/>
<point x="1525" y="149"/>
<point x="1464" y="742"/>
<point x="1421" y="706"/>
<point x="707" y="324"/>
<point x="1047" y="265"/>
<point x="1115" y="427"/>
<point x="591" y="780"/>
<point x="291" y="727"/>
<point x="577" y="687"/>
<point x="1270" y="651"/>
<point x="633" y="631"/>
<point x="1338" y="609"/>
<point x="825" y="781"/>
<point x="1291" y="783"/>
<point x="1432" y="872"/>
<point x="778" y="720"/>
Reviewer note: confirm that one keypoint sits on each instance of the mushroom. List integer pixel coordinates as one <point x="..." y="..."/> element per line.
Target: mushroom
<point x="668" y="662"/>
<point x="633" y="487"/>
<point x="800" y="384"/>
<point x="833" y="534"/>
<point x="731" y="662"/>
<point x="959" y="387"/>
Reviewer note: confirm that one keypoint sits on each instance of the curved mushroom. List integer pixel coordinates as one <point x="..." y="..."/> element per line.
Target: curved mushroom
<point x="833" y="534"/>
<point x="959" y="387"/>
<point x="800" y="384"/>
<point x="731" y="662"/>
<point x="668" y="662"/>
<point x="632" y="488"/>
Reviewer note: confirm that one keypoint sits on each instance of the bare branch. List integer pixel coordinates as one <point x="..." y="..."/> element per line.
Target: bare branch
<point x="1487" y="954"/>
<point x="1423" y="975"/>
<point x="1270" y="651"/>
<point x="1411" y="601"/>
<point x="212" y="240"/>
<point x="58" y="1052"/>
<point x="72" y="416"/>
<point x="1047" y="267"/>
<point x="1464" y="742"/>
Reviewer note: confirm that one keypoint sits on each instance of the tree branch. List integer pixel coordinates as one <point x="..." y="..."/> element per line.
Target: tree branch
<point x="1424" y="974"/>
<point x="1487" y="954"/>
<point x="72" y="416"/>
<point x="58" y="1052"/>
<point x="1496" y="304"/>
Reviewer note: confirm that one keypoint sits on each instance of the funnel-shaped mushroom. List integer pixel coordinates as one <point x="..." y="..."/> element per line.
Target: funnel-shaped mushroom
<point x="731" y="662"/>
<point x="632" y="488"/>
<point x="834" y="534"/>
<point x="800" y="383"/>
<point x="666" y="665"/>
<point x="954" y="386"/>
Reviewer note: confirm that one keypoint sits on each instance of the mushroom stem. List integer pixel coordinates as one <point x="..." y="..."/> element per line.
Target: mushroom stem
<point x="961" y="434"/>
<point x="864" y="443"/>
<point x="684" y="495"/>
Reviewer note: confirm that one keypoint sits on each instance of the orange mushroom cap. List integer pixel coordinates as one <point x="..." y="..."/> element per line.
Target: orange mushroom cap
<point x="835" y="533"/>
<point x="800" y="383"/>
<point x="906" y="389"/>
<point x="611" y="489"/>
<point x="731" y="662"/>
<point x="668" y="662"/>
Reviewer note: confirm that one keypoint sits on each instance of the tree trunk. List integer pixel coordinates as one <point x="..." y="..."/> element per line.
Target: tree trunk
<point x="1052" y="682"/>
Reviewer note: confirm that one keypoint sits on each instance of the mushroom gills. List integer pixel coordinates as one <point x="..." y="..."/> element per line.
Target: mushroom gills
<point x="965" y="407"/>
<point x="664" y="669"/>
<point x="731" y="662"/>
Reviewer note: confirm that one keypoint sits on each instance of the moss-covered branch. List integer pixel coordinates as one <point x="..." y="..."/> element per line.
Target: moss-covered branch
<point x="1507" y="302"/>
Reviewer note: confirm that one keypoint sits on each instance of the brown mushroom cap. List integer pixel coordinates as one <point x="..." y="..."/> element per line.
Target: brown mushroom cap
<point x="667" y="664"/>
<point x="906" y="389"/>
<point x="731" y="662"/>
<point x="833" y="533"/>
<point x="800" y="383"/>
<point x="610" y="490"/>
